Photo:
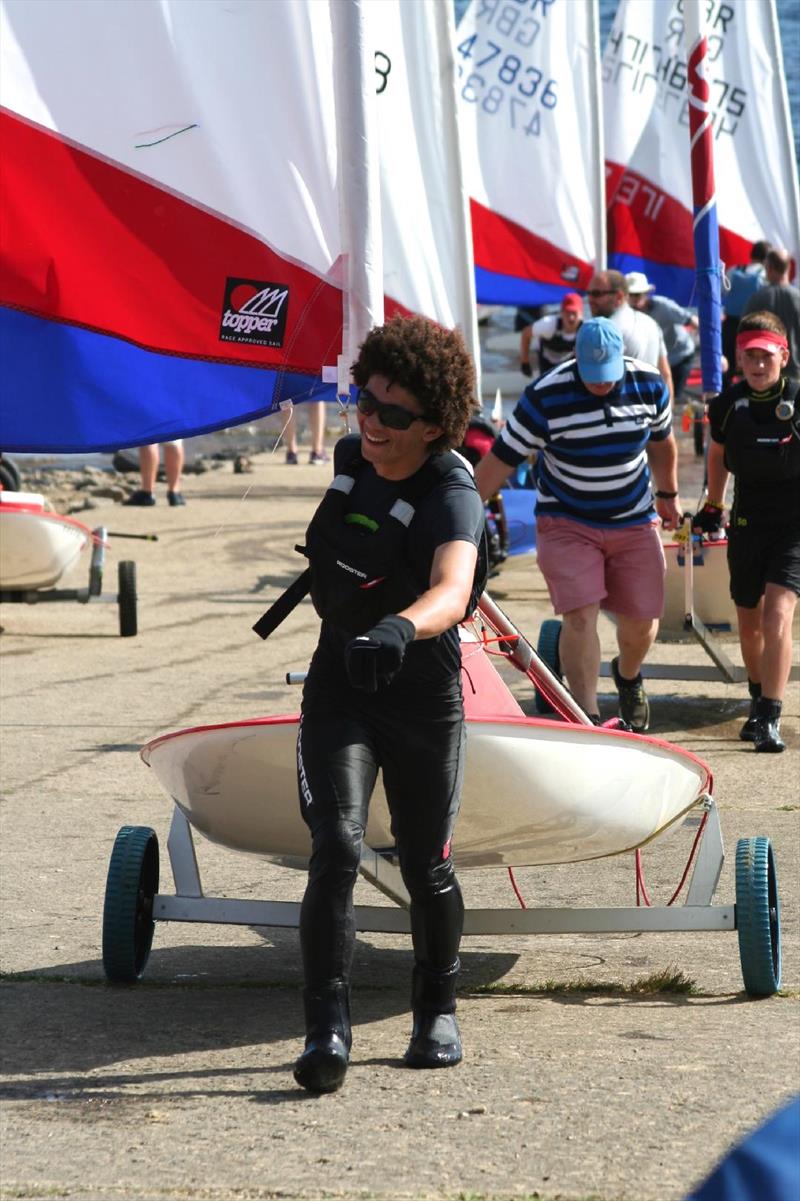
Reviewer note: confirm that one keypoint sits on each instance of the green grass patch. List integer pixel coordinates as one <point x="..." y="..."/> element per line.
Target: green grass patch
<point x="670" y="980"/>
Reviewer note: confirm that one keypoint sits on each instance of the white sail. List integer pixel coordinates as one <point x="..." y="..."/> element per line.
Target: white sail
<point x="647" y="137"/>
<point x="424" y="206"/>
<point x="194" y="216"/>
<point x="532" y="145"/>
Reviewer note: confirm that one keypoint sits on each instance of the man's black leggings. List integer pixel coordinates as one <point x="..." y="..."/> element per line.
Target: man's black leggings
<point x="417" y="740"/>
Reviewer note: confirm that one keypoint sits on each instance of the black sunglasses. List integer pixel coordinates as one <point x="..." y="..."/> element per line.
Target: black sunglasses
<point x="601" y="291"/>
<point x="394" y="417"/>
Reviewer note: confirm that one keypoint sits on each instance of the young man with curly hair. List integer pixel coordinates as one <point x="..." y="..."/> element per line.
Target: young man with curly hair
<point x="755" y="437"/>
<point x="393" y="553"/>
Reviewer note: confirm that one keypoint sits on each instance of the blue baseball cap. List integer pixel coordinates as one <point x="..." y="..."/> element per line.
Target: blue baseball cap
<point x="599" y="351"/>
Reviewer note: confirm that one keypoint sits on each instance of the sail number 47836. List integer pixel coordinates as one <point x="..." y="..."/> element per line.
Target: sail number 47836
<point x="500" y="81"/>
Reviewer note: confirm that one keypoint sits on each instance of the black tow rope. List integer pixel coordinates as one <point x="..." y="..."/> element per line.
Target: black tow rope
<point x="282" y="607"/>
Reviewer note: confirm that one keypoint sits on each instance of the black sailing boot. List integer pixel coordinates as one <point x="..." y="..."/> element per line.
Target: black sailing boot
<point x="322" y="1066"/>
<point x="767" y="738"/>
<point x="748" y="730"/>
<point x="435" y="1040"/>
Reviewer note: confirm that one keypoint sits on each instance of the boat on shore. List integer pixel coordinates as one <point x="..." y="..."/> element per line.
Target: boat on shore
<point x="37" y="546"/>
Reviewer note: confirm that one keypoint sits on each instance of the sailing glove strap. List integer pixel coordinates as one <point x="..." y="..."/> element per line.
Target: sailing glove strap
<point x="708" y="520"/>
<point x="374" y="658"/>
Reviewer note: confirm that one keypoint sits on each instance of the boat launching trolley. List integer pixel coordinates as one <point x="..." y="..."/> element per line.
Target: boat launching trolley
<point x="536" y="792"/>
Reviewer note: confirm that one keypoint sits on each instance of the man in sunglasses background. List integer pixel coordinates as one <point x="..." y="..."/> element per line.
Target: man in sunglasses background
<point x="394" y="569"/>
<point x="600" y="428"/>
<point x="641" y="335"/>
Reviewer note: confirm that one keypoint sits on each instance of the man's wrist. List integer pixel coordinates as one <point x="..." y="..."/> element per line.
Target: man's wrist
<point x="662" y="494"/>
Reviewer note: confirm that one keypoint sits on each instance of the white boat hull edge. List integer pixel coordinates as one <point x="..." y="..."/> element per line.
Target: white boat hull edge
<point x="36" y="547"/>
<point x="535" y="792"/>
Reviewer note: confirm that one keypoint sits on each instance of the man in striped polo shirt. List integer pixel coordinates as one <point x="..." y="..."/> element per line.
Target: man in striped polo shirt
<point x="599" y="425"/>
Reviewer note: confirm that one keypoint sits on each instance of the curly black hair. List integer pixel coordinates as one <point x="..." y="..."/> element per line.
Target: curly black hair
<point x="431" y="362"/>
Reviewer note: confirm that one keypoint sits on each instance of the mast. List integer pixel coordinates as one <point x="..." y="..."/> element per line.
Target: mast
<point x="358" y="180"/>
<point x="705" y="226"/>
<point x="598" y="140"/>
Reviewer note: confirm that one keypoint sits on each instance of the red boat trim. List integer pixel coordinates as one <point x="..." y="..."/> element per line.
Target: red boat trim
<point x="38" y="511"/>
<point x="536" y="722"/>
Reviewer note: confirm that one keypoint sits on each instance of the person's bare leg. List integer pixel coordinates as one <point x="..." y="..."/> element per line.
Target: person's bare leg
<point x="751" y="639"/>
<point x="173" y="465"/>
<point x="316" y="425"/>
<point x="776" y="658"/>
<point x="148" y="466"/>
<point x="634" y="639"/>
<point x="579" y="651"/>
<point x="290" y="437"/>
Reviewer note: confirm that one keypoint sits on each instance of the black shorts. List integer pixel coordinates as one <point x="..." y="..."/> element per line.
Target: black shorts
<point x="757" y="557"/>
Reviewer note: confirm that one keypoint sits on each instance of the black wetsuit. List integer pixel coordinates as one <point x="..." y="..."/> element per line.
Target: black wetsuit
<point x="762" y="452"/>
<point x="412" y="729"/>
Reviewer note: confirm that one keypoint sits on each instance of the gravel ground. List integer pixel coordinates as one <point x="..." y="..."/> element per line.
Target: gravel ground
<point x="576" y="1084"/>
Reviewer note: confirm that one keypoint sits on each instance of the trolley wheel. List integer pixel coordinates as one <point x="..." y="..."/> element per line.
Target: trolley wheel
<point x="758" y="916"/>
<point x="131" y="885"/>
<point x="9" y="475"/>
<point x="547" y="649"/>
<point x="126" y="599"/>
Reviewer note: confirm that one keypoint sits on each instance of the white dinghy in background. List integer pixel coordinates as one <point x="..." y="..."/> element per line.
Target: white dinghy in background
<point x="39" y="546"/>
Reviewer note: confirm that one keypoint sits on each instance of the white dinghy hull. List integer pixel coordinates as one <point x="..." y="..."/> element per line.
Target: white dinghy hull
<point x="535" y="791"/>
<point x="36" y="546"/>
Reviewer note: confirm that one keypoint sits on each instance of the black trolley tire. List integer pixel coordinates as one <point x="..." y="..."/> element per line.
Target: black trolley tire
<point x="9" y="475"/>
<point x="127" y="599"/>
<point x="547" y="649"/>
<point x="131" y="886"/>
<point x="758" y="916"/>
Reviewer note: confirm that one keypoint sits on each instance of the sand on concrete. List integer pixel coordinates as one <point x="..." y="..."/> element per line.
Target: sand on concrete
<point x="181" y="1086"/>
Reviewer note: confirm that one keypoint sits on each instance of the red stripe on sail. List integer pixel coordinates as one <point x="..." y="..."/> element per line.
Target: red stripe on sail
<point x="502" y="246"/>
<point x="90" y="242"/>
<point x="647" y="222"/>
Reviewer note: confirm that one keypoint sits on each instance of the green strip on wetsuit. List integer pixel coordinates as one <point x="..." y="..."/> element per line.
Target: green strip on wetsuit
<point x="362" y="519"/>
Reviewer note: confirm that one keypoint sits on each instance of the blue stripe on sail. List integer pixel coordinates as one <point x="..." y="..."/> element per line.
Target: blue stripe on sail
<point x="493" y="288"/>
<point x="678" y="283"/>
<point x="67" y="389"/>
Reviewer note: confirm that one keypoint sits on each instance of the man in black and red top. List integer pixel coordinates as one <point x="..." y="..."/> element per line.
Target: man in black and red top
<point x="552" y="338"/>
<point x="755" y="437"/>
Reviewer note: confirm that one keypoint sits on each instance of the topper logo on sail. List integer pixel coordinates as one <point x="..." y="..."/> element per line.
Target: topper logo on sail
<point x="254" y="312"/>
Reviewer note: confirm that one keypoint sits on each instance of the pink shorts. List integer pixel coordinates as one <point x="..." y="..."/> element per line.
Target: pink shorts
<point x="622" y="569"/>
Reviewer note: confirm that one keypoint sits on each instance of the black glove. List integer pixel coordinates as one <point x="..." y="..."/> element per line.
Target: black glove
<point x="375" y="658"/>
<point x="708" y="520"/>
<point x="526" y="369"/>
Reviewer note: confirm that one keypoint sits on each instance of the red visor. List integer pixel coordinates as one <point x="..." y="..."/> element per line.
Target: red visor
<point x="761" y="339"/>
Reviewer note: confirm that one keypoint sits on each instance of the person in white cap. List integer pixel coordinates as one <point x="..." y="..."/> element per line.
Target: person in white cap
<point x="675" y="323"/>
<point x="608" y="297"/>
<point x="600" y="426"/>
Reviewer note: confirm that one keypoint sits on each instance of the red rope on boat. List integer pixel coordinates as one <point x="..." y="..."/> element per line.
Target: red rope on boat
<point x="517" y="892"/>
<point x="641" y="889"/>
